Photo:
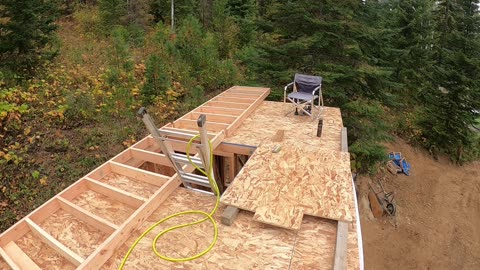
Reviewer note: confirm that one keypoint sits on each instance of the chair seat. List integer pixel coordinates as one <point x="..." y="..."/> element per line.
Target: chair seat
<point x="302" y="96"/>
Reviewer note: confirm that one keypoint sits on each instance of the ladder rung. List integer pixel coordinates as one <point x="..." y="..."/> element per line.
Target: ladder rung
<point x="177" y="134"/>
<point x="200" y="190"/>
<point x="181" y="158"/>
<point x="195" y="179"/>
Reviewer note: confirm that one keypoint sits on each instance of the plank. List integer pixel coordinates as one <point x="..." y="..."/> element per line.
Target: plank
<point x="138" y="174"/>
<point x="46" y="211"/>
<point x="54" y="243"/>
<point x="214" y="117"/>
<point x="344" y="140"/>
<point x="91" y="219"/>
<point x="115" y="193"/>
<point x="250" y="89"/>
<point x="223" y="104"/>
<point x="150" y="156"/>
<point x="192" y="124"/>
<point x="219" y="110"/>
<point x="19" y="257"/>
<point x="8" y="260"/>
<point x="340" y="260"/>
<point x="234" y="148"/>
<point x="229" y="215"/>
<point x="233" y="99"/>
<point x="74" y="190"/>
<point x="252" y="97"/>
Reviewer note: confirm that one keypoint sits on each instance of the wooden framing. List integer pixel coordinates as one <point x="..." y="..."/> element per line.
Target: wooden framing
<point x="340" y="259"/>
<point x="222" y="117"/>
<point x="54" y="243"/>
<point x="219" y="110"/>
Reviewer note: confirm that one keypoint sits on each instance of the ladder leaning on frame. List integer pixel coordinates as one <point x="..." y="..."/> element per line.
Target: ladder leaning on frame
<point x="164" y="138"/>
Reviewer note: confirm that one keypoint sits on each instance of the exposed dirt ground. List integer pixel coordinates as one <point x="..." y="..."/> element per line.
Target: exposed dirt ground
<point x="438" y="216"/>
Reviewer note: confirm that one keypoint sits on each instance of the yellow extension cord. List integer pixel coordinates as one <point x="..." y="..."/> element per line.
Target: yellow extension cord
<point x="208" y="216"/>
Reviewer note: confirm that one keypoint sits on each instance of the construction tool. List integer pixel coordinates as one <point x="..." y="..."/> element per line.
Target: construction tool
<point x="385" y="199"/>
<point x="165" y="137"/>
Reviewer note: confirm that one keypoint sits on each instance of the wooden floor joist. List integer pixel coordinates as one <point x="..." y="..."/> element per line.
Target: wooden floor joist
<point x="54" y="243"/>
<point x="20" y="260"/>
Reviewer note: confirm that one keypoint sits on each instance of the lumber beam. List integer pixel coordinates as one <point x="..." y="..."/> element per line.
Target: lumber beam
<point x="192" y="125"/>
<point x="115" y="193"/>
<point x="91" y="219"/>
<point x="18" y="257"/>
<point x="344" y="140"/>
<point x="219" y="110"/>
<point x="234" y="148"/>
<point x="54" y="243"/>
<point x="8" y="260"/>
<point x="223" y="104"/>
<point x="138" y="174"/>
<point x="229" y="215"/>
<point x="233" y="99"/>
<point x="149" y="156"/>
<point x="251" y="97"/>
<point x="340" y="259"/>
<point x="214" y="117"/>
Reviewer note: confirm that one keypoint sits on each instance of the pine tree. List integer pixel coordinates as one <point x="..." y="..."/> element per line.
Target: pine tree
<point x="338" y="41"/>
<point x="413" y="63"/>
<point x="111" y="13"/>
<point x="27" y="27"/>
<point x="449" y="113"/>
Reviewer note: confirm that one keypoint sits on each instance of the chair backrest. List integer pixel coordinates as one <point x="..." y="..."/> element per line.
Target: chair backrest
<point x="307" y="83"/>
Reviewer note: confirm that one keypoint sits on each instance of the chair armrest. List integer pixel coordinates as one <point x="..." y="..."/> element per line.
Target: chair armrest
<point x="316" y="89"/>
<point x="288" y="85"/>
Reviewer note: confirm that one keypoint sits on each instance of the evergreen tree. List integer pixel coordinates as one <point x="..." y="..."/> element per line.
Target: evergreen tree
<point x="338" y="41"/>
<point x="111" y="13"/>
<point x="413" y="39"/>
<point x="244" y="13"/>
<point x="26" y="28"/>
<point x="449" y="113"/>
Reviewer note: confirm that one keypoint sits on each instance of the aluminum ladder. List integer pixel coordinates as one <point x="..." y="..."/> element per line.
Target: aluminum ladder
<point x="165" y="137"/>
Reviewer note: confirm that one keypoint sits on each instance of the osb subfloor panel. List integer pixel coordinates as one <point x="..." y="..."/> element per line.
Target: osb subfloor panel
<point x="44" y="256"/>
<point x="122" y="182"/>
<point x="246" y="244"/>
<point x="309" y="176"/>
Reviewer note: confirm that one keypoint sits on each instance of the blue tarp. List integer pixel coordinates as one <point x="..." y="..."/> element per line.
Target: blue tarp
<point x="401" y="162"/>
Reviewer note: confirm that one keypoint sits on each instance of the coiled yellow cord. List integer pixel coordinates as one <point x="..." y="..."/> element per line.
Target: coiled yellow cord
<point x="208" y="216"/>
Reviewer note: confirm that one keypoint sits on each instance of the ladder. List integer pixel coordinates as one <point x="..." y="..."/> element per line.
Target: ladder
<point x="165" y="137"/>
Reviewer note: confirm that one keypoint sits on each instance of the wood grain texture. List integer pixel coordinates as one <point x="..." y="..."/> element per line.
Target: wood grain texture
<point x="245" y="244"/>
<point x="309" y="173"/>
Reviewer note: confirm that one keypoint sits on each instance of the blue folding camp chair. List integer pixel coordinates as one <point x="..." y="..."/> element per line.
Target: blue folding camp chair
<point x="306" y="89"/>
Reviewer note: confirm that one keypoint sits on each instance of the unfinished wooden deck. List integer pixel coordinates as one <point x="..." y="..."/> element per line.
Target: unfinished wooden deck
<point x="91" y="224"/>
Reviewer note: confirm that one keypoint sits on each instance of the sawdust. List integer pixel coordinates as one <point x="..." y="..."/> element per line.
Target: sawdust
<point x="438" y="216"/>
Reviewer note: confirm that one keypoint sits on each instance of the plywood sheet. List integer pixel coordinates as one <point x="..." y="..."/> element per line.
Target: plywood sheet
<point x="244" y="245"/>
<point x="102" y="206"/>
<point x="44" y="256"/>
<point x="263" y="124"/>
<point x="294" y="178"/>
<point x="142" y="189"/>
<point x="309" y="174"/>
<point x="78" y="236"/>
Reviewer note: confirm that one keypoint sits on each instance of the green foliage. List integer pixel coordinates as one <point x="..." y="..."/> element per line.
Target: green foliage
<point x="449" y="114"/>
<point x="334" y="40"/>
<point x="111" y="13"/>
<point x="88" y="19"/>
<point x="26" y="30"/>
